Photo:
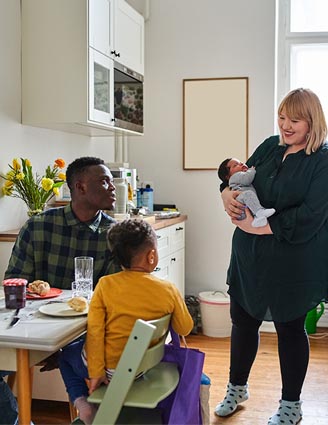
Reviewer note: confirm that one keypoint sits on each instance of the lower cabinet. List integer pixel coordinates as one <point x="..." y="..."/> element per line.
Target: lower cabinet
<point x="171" y="251"/>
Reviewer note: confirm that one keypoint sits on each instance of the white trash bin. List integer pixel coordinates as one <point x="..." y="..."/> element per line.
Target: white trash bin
<point x="215" y="313"/>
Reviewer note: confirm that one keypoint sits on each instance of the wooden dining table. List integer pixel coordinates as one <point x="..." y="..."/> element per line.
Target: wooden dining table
<point x="35" y="337"/>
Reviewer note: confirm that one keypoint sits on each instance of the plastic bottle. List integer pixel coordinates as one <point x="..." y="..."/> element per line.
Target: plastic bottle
<point x="121" y="189"/>
<point x="139" y="198"/>
<point x="148" y="198"/>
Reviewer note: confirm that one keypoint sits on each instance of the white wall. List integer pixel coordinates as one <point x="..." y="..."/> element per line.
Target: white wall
<point x="41" y="146"/>
<point x="199" y="39"/>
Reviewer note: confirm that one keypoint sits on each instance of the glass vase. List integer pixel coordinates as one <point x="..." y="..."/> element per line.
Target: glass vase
<point x="35" y="209"/>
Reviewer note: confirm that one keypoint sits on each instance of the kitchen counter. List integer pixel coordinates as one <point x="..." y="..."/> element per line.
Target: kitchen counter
<point x="10" y="235"/>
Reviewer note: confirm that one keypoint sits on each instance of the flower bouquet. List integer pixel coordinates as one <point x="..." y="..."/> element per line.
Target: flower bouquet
<point x="34" y="190"/>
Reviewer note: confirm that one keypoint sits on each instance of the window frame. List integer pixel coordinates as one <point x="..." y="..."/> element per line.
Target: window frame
<point x="284" y="40"/>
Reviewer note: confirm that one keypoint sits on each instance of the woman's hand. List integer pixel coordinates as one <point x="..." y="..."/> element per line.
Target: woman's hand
<point x="231" y="206"/>
<point x="94" y="383"/>
<point x="246" y="225"/>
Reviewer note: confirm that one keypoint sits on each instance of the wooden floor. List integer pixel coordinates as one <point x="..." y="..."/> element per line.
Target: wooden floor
<point x="264" y="384"/>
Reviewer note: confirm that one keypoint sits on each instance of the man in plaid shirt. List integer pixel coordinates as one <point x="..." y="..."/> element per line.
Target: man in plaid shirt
<point x="47" y="243"/>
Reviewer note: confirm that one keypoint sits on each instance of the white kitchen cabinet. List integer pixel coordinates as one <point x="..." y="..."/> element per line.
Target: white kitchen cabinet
<point x="177" y="269"/>
<point x="117" y="31"/>
<point x="101" y="26"/>
<point x="66" y="46"/>
<point x="101" y="79"/>
<point x="171" y="251"/>
<point x="128" y="36"/>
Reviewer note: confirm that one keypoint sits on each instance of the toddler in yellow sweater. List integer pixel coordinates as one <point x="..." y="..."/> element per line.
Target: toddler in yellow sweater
<point x="118" y="301"/>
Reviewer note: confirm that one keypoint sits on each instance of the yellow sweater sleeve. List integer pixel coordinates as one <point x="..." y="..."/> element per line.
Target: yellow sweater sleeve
<point x="95" y="341"/>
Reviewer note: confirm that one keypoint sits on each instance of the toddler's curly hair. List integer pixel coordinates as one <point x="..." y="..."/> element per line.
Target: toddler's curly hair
<point x="128" y="238"/>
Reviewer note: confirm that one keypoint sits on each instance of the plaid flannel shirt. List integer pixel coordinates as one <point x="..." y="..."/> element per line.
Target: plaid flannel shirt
<point x="47" y="244"/>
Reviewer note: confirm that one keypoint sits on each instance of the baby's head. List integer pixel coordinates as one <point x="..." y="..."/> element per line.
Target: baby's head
<point x="230" y="166"/>
<point x="130" y="239"/>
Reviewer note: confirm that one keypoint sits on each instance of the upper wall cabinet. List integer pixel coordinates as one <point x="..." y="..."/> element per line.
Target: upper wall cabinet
<point x="101" y="26"/>
<point x="128" y="37"/>
<point x="117" y="31"/>
<point x="69" y="52"/>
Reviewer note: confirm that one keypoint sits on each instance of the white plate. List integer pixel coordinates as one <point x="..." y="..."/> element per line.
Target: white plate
<point x="61" y="310"/>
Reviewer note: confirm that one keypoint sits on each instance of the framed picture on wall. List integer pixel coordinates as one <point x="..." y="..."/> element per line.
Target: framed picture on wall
<point x="215" y="121"/>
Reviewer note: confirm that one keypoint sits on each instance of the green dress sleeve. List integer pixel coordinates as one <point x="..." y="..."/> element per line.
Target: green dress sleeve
<point x="301" y="222"/>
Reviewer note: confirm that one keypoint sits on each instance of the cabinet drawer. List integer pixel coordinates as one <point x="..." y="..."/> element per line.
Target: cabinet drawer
<point x="177" y="236"/>
<point x="163" y="269"/>
<point x="163" y="242"/>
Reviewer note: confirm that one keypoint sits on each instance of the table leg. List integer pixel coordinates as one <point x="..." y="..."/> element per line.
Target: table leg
<point x="24" y="392"/>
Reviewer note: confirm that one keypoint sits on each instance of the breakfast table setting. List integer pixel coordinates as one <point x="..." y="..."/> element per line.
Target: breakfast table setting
<point x="30" y="334"/>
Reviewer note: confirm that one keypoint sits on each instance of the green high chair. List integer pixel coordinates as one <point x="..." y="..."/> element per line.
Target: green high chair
<point x="127" y="400"/>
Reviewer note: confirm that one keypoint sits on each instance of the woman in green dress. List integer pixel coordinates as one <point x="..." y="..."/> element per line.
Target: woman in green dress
<point x="279" y="272"/>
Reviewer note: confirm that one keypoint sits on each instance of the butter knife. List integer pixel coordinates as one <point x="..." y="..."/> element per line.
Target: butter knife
<point x="15" y="319"/>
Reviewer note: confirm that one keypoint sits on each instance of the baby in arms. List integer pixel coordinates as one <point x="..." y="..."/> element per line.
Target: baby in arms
<point x="238" y="176"/>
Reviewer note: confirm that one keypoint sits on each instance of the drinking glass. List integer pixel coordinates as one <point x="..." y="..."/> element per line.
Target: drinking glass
<point x="82" y="288"/>
<point x="83" y="284"/>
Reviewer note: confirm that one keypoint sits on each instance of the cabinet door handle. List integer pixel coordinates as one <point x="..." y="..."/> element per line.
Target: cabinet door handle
<point x="114" y="52"/>
<point x="178" y="228"/>
<point x="173" y="259"/>
<point x="157" y="269"/>
<point x="158" y="236"/>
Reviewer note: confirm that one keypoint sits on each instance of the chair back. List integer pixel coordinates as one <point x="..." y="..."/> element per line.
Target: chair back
<point x="138" y="356"/>
<point x="155" y="352"/>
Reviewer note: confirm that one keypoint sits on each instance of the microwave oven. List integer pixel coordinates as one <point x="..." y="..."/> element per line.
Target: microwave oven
<point x="115" y="94"/>
<point x="128" y="99"/>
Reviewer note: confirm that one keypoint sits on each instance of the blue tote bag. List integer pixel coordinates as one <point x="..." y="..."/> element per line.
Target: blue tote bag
<point x="183" y="407"/>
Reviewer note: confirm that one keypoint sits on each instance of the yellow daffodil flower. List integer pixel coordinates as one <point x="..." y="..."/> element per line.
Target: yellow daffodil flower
<point x="20" y="176"/>
<point x="62" y="176"/>
<point x="47" y="184"/>
<point x="16" y="164"/>
<point x="55" y="191"/>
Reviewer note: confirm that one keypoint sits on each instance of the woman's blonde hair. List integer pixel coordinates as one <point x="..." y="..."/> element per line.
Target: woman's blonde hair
<point x="303" y="104"/>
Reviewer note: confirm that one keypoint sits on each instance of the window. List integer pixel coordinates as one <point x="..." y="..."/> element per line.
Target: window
<point x="302" y="48"/>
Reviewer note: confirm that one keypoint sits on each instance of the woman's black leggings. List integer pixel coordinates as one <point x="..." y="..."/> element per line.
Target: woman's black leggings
<point x="293" y="348"/>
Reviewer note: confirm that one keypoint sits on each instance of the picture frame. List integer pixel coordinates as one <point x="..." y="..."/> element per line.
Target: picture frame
<point x="215" y="121"/>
